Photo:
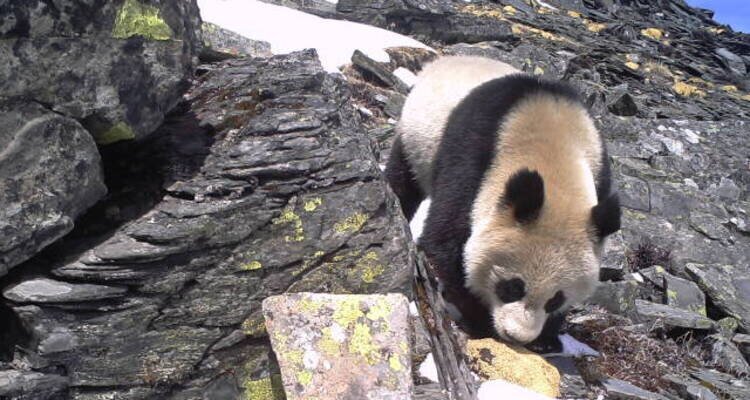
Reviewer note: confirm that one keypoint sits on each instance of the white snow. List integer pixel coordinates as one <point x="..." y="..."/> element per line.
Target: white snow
<point x="417" y="222"/>
<point x="289" y="30"/>
<point x="428" y="369"/>
<point x="499" y="389"/>
<point x="406" y="76"/>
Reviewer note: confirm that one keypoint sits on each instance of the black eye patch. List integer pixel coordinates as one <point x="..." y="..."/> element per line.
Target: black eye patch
<point x="511" y="290"/>
<point x="555" y="302"/>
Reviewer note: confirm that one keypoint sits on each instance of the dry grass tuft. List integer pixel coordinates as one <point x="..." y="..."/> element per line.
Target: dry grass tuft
<point x="647" y="254"/>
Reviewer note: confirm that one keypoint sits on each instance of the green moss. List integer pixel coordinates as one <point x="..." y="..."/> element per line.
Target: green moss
<point x="361" y="344"/>
<point x="119" y="131"/>
<point x="347" y="312"/>
<point x="251" y="266"/>
<point x="352" y="223"/>
<point x="312" y="204"/>
<point x="269" y="388"/>
<point x="288" y="216"/>
<point x="135" y="18"/>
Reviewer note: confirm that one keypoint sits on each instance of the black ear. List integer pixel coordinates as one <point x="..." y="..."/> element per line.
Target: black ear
<point x="606" y="216"/>
<point x="524" y="194"/>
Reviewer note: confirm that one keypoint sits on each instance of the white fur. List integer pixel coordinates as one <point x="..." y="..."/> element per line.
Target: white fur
<point x="440" y="86"/>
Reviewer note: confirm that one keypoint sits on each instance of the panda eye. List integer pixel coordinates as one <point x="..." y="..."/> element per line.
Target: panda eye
<point x="511" y="290"/>
<point x="555" y="302"/>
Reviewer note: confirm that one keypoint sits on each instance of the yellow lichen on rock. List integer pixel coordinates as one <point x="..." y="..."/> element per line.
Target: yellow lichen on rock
<point x="352" y="223"/>
<point x="312" y="204"/>
<point x="574" y="14"/>
<point x="686" y="89"/>
<point x="134" y="18"/>
<point x="482" y="11"/>
<point x="269" y="388"/>
<point x="491" y="359"/>
<point x="119" y="131"/>
<point x="288" y="216"/>
<point x="632" y="65"/>
<point x="595" y="27"/>
<point x="510" y="10"/>
<point x="652" y="33"/>
<point x="729" y="88"/>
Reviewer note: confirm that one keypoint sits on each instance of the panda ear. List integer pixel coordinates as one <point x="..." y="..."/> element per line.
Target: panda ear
<point x="605" y="216"/>
<point x="524" y="194"/>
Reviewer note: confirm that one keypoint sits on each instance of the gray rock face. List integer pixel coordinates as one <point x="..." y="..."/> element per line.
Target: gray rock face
<point x="724" y="354"/>
<point x="673" y="317"/>
<point x="332" y="347"/>
<point x="284" y="195"/>
<point x="226" y="41"/>
<point x="684" y="294"/>
<point x="20" y="385"/>
<point x="621" y="390"/>
<point x="50" y="173"/>
<point x="117" y="74"/>
<point x="727" y="286"/>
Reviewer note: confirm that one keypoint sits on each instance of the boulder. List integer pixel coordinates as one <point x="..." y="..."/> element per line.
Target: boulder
<point x="673" y="317"/>
<point x="338" y="346"/>
<point x="727" y="286"/>
<point x="50" y="173"/>
<point x="117" y="74"/>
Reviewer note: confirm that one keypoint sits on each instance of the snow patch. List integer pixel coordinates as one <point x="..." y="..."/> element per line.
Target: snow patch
<point x="289" y="30"/>
<point x="428" y="369"/>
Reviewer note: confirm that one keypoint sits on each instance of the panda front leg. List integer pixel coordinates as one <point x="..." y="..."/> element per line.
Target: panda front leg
<point x="399" y="174"/>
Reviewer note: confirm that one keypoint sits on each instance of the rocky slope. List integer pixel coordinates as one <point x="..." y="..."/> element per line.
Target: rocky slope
<point x="264" y="179"/>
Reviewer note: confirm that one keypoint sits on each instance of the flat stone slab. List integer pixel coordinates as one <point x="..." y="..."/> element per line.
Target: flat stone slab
<point x="43" y="290"/>
<point x="673" y="316"/>
<point x="341" y="346"/>
<point x="621" y="390"/>
<point x="28" y="385"/>
<point x="727" y="286"/>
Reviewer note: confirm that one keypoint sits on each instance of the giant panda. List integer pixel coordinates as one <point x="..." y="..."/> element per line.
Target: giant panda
<point x="520" y="189"/>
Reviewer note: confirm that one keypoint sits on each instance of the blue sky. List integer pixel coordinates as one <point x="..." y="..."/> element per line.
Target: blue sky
<point x="735" y="13"/>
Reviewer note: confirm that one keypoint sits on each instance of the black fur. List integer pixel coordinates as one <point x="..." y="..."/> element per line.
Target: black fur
<point x="512" y="290"/>
<point x="555" y="302"/>
<point x="548" y="341"/>
<point x="402" y="180"/>
<point x="524" y="194"/>
<point x="606" y="215"/>
<point x="464" y="154"/>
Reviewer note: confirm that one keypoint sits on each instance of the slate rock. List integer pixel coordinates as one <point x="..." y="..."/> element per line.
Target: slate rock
<point x="28" y="385"/>
<point x="50" y="173"/>
<point x="336" y="346"/>
<point x="270" y="186"/>
<point x="616" y="297"/>
<point x="684" y="294"/>
<point x="494" y="360"/>
<point x="724" y="354"/>
<point x="690" y="389"/>
<point x="623" y="105"/>
<point x="725" y="385"/>
<point x="117" y="74"/>
<point x="43" y="290"/>
<point x="621" y="390"/>
<point x="226" y="41"/>
<point x="634" y="193"/>
<point x="673" y="317"/>
<point x="727" y="286"/>
<point x="731" y="61"/>
<point x="387" y="77"/>
<point x="743" y="343"/>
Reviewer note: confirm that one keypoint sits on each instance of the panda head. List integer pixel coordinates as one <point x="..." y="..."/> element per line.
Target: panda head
<point x="526" y="262"/>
